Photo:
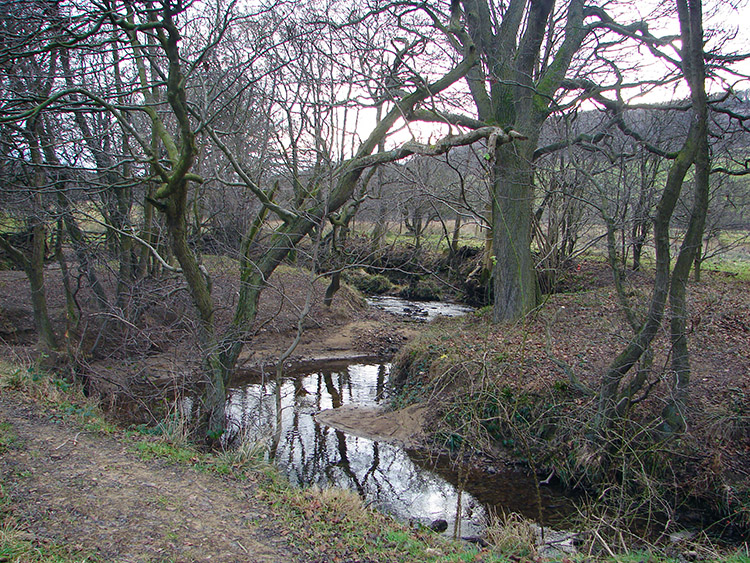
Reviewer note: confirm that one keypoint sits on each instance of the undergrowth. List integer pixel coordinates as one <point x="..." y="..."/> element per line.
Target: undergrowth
<point x="332" y="524"/>
<point x="337" y="526"/>
<point x="17" y="543"/>
<point x="505" y="389"/>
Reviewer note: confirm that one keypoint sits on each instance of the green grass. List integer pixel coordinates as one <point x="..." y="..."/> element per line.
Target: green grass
<point x="740" y="268"/>
<point x="336" y="526"/>
<point x="8" y="438"/>
<point x="87" y="415"/>
<point x="11" y="224"/>
<point x="742" y="556"/>
<point x="20" y="546"/>
<point x="164" y="450"/>
<point x="163" y="442"/>
<point x="433" y="237"/>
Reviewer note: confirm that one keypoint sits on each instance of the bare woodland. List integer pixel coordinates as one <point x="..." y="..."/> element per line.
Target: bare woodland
<point x="141" y="138"/>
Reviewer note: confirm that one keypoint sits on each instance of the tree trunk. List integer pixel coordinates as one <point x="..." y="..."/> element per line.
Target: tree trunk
<point x="71" y="306"/>
<point x="609" y="394"/>
<point x="516" y="290"/>
<point x="697" y="264"/>
<point x="691" y="27"/>
<point x="673" y="414"/>
<point x="455" y="236"/>
<point x="35" y="273"/>
<point x="146" y="235"/>
<point x="332" y="288"/>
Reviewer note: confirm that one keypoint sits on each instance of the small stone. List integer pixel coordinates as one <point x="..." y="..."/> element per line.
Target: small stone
<point x="439" y="525"/>
<point x="678" y="537"/>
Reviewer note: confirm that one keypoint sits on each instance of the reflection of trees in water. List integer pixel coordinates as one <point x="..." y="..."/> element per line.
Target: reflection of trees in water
<point x="506" y="491"/>
<point x="380" y="383"/>
<point x="314" y="454"/>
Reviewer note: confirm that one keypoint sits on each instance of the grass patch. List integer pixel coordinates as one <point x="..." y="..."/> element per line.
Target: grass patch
<point x="740" y="268"/>
<point x="158" y="449"/>
<point x="7" y="437"/>
<point x="65" y="399"/>
<point x="20" y="546"/>
<point x="163" y="442"/>
<point x="337" y="526"/>
<point x="512" y="534"/>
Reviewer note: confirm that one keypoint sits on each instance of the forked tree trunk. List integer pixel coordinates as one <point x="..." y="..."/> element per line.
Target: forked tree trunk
<point x="610" y="392"/>
<point x="694" y="151"/>
<point x="691" y="26"/>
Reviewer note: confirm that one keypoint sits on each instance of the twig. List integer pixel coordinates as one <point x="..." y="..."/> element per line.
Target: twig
<point x="75" y="441"/>
<point x="604" y="543"/>
<point x="549" y="478"/>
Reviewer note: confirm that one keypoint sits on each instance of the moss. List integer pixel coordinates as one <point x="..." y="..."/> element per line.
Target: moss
<point x="369" y="284"/>
<point x="422" y="290"/>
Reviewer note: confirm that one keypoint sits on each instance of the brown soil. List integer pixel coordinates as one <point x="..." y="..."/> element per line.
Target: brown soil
<point x="131" y="365"/>
<point x="87" y="491"/>
<point x="403" y="427"/>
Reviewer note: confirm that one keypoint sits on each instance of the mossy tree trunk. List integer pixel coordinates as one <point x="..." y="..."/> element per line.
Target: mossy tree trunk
<point x="516" y="290"/>
<point x="671" y="285"/>
<point x="33" y="267"/>
<point x="610" y="393"/>
<point x="691" y="28"/>
<point x="514" y="89"/>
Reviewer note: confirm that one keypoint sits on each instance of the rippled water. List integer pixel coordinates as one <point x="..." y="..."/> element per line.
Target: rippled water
<point x="423" y="311"/>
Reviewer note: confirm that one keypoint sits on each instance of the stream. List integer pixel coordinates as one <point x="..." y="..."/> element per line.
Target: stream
<point x="421" y="311"/>
<point x="404" y="483"/>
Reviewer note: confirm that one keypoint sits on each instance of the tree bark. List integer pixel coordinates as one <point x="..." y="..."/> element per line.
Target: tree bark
<point x="516" y="290"/>
<point x="518" y="97"/>
<point x="609" y="392"/>
<point x="691" y="27"/>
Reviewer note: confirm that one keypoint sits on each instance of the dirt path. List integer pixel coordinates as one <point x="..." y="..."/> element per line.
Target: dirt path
<point x="88" y="491"/>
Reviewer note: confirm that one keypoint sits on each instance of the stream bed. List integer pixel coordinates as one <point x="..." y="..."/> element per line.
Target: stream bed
<point x="409" y="485"/>
<point x="420" y="311"/>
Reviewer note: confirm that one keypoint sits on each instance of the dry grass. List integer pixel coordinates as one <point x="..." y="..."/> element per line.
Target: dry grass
<point x="512" y="534"/>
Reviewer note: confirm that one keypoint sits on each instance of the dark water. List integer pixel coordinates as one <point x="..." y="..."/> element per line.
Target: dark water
<point x="403" y="483"/>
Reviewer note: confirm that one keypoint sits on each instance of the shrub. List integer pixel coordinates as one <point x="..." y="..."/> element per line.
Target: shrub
<point x="370" y="284"/>
<point x="422" y="290"/>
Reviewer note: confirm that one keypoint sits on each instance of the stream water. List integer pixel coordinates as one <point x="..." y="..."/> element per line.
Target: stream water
<point x="403" y="483"/>
<point x="422" y="311"/>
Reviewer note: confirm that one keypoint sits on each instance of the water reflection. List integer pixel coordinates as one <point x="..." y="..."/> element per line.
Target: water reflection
<point x="398" y="482"/>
